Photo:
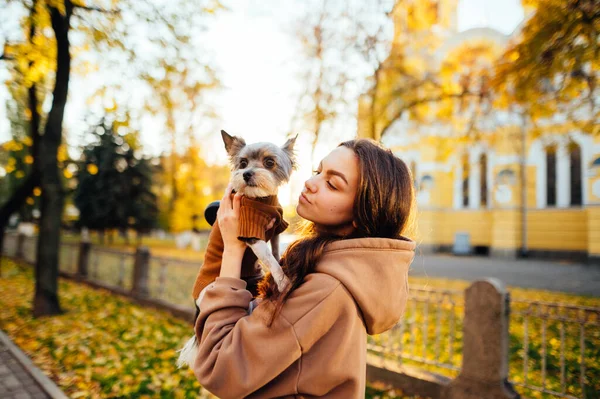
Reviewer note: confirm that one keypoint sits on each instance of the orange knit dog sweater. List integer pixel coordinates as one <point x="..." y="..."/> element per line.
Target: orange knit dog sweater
<point x="255" y="215"/>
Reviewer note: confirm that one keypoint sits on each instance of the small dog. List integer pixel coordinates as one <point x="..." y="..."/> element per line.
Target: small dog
<point x="258" y="170"/>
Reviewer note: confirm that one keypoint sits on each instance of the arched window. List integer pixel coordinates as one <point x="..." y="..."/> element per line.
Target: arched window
<point x="576" y="189"/>
<point x="551" y="175"/>
<point x="465" y="181"/>
<point x="483" y="180"/>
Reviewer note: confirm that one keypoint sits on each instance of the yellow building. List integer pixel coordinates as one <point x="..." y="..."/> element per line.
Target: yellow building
<point x="477" y="187"/>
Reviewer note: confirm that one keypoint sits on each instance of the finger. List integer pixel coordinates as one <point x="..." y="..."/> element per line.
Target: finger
<point x="237" y="200"/>
<point x="271" y="224"/>
<point x="226" y="201"/>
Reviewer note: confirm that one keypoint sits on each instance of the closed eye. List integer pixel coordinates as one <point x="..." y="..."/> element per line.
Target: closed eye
<point x="318" y="172"/>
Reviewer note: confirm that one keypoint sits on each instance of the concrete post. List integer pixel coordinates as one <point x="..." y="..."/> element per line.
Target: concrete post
<point x="140" y="272"/>
<point x="484" y="373"/>
<point x="84" y="259"/>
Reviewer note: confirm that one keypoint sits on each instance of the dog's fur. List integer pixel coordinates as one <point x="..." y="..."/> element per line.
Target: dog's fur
<point x="257" y="171"/>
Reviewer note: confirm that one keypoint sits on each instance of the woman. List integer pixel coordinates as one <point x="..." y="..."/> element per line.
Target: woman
<point x="348" y="279"/>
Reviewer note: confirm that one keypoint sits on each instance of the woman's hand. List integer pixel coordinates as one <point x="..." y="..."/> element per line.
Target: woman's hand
<point x="228" y="216"/>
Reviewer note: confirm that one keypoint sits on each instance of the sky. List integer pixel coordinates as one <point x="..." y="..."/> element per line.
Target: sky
<point x="260" y="94"/>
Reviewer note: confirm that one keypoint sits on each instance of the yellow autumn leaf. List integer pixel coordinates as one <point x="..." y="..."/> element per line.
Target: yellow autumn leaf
<point x="92" y="169"/>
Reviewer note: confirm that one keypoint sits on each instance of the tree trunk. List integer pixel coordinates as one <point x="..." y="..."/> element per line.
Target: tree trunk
<point x="46" y="267"/>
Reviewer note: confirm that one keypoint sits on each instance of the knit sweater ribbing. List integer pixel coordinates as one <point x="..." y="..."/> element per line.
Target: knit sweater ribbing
<point x="255" y="215"/>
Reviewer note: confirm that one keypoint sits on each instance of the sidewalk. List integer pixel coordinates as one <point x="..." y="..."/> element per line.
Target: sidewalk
<point x="19" y="378"/>
<point x="570" y="277"/>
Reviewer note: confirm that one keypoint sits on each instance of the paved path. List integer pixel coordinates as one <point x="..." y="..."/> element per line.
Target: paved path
<point x="570" y="277"/>
<point x="19" y="378"/>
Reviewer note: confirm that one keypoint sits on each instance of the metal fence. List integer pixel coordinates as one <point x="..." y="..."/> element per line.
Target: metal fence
<point x="428" y="334"/>
<point x="172" y="280"/>
<point x="554" y="349"/>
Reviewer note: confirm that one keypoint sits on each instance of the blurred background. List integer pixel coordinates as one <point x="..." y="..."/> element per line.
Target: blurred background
<point x="110" y="113"/>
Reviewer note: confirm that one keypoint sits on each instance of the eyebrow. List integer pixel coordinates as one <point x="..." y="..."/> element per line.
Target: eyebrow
<point x="334" y="172"/>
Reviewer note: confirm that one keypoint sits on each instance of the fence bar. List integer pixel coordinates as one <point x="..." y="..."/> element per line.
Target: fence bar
<point x="582" y="359"/>
<point x="544" y="354"/>
<point x="563" y="387"/>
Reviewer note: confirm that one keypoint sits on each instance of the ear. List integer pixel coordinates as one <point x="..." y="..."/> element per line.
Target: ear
<point x="288" y="148"/>
<point x="233" y="144"/>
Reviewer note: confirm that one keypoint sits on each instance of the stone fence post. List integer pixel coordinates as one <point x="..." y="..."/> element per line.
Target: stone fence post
<point x="84" y="259"/>
<point x="140" y="272"/>
<point x="484" y="373"/>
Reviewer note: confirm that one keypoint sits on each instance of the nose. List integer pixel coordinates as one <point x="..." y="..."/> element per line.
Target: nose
<point x="310" y="185"/>
<point x="248" y="175"/>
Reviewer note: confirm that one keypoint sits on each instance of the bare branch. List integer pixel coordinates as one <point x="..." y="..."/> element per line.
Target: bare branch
<point x="95" y="9"/>
<point x="422" y="101"/>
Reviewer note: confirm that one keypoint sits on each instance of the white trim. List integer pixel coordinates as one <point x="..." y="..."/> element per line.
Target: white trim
<point x="563" y="175"/>
<point x="458" y="200"/>
<point x="537" y="157"/>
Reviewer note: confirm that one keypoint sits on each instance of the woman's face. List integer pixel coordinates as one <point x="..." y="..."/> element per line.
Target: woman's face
<point x="328" y="196"/>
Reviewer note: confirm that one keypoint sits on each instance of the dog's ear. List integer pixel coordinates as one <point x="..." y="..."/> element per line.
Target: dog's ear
<point x="288" y="148"/>
<point x="233" y="144"/>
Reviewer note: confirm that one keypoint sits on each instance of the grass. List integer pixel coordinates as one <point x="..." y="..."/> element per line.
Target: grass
<point x="104" y="346"/>
<point x="172" y="281"/>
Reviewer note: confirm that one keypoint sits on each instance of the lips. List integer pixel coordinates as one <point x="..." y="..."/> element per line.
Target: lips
<point x="303" y="197"/>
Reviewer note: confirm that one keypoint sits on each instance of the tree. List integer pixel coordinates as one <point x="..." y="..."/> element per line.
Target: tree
<point x="115" y="185"/>
<point x="198" y="184"/>
<point x="553" y="65"/>
<point x="324" y="79"/>
<point x="105" y="29"/>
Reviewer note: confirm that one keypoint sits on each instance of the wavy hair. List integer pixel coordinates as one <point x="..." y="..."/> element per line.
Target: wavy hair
<point x="383" y="207"/>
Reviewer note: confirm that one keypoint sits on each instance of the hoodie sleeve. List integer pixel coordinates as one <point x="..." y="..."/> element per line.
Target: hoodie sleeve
<point x="237" y="353"/>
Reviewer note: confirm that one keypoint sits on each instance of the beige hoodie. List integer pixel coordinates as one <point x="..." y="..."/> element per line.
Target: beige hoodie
<point x="316" y="347"/>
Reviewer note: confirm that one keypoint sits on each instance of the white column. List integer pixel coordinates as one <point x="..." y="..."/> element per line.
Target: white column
<point x="474" y="184"/>
<point x="563" y="176"/>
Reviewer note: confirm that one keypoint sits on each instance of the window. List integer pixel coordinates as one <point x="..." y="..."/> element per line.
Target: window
<point x="483" y="180"/>
<point x="465" y="181"/>
<point x="575" y="157"/>
<point x="551" y="175"/>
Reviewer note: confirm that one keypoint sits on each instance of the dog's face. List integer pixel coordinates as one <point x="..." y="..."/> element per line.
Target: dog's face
<point x="259" y="169"/>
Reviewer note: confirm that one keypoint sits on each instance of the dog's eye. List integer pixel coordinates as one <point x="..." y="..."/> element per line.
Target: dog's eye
<point x="269" y="163"/>
<point x="243" y="163"/>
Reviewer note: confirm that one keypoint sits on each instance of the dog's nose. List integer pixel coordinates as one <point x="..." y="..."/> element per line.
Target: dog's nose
<point x="247" y="175"/>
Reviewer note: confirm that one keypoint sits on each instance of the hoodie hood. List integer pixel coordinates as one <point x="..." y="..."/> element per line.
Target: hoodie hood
<point x="375" y="272"/>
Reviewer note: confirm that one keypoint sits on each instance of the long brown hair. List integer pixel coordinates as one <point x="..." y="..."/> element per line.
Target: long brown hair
<point x="382" y="208"/>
